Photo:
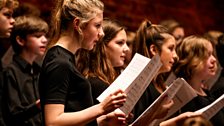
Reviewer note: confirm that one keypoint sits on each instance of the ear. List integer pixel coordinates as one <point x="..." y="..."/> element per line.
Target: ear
<point x="76" y="23"/>
<point x="20" y="41"/>
<point x="153" y="49"/>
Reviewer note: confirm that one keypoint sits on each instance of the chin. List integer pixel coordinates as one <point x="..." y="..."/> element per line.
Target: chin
<point x="213" y="74"/>
<point x="88" y="48"/>
<point x="5" y="36"/>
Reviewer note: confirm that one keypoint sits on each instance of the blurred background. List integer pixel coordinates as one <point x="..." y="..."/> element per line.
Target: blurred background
<point x="197" y="16"/>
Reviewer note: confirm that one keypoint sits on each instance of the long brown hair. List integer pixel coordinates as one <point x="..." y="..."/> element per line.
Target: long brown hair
<point x="95" y="63"/>
<point x="150" y="34"/>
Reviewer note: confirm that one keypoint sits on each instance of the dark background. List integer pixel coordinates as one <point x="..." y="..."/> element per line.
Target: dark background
<point x="197" y="16"/>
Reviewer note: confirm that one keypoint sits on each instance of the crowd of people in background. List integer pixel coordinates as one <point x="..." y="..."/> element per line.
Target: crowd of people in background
<point x="52" y="72"/>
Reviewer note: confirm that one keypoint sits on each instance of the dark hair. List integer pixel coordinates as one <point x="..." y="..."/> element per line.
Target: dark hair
<point x="26" y="9"/>
<point x="95" y="62"/>
<point x="25" y="25"/>
<point x="146" y="35"/>
<point x="220" y="50"/>
<point x="170" y="24"/>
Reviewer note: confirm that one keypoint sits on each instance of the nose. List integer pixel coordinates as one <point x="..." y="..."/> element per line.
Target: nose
<point x="101" y="33"/>
<point x="175" y="56"/>
<point x="213" y="60"/>
<point x="126" y="48"/>
<point x="44" y="39"/>
<point x="12" y="20"/>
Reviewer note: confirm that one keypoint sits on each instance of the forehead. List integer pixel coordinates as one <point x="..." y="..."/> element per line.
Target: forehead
<point x="6" y="9"/>
<point x="97" y="18"/>
<point x="120" y="35"/>
<point x="168" y="38"/>
<point x="209" y="46"/>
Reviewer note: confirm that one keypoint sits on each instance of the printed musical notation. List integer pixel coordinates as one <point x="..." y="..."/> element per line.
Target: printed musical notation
<point x="134" y="80"/>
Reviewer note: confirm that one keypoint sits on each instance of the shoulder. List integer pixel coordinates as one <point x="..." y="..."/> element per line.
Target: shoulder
<point x="54" y="61"/>
<point x="97" y="82"/>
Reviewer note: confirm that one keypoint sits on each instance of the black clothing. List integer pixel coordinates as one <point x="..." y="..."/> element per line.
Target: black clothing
<point x="98" y="86"/>
<point x="201" y="101"/>
<point x="218" y="89"/>
<point x="1" y="86"/>
<point x="61" y="82"/>
<point x="21" y="93"/>
<point x="1" y="90"/>
<point x="147" y="98"/>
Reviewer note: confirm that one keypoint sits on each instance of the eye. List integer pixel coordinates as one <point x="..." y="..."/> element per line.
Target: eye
<point x="38" y="35"/>
<point x="8" y="14"/>
<point x="98" y="25"/>
<point x="171" y="47"/>
<point x="121" y="42"/>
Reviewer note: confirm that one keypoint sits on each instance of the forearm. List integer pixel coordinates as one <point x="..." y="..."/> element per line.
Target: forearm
<point x="54" y="116"/>
<point x="170" y="122"/>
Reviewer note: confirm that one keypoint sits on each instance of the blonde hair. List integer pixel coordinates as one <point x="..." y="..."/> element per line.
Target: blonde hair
<point x="67" y="10"/>
<point x="192" y="53"/>
<point x="194" y="121"/>
<point x="9" y="3"/>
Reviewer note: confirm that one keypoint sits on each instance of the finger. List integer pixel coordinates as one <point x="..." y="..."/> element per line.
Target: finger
<point x="117" y="92"/>
<point x="119" y="96"/>
<point x="119" y="102"/>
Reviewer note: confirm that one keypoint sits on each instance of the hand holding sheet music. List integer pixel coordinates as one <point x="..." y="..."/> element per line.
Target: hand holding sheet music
<point x="209" y="111"/>
<point x="134" y="80"/>
<point x="169" y="93"/>
<point x="185" y="94"/>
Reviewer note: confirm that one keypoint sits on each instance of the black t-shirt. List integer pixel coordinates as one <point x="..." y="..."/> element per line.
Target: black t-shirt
<point x="201" y="101"/>
<point x="98" y="86"/>
<point x="218" y="89"/>
<point x="147" y="98"/>
<point x="1" y="89"/>
<point x="61" y="83"/>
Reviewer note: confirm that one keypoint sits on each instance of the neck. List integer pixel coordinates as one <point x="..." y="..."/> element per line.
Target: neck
<point x="69" y="42"/>
<point x="29" y="57"/>
<point x="197" y="85"/>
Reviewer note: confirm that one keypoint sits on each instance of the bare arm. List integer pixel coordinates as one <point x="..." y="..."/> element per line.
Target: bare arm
<point x="173" y="121"/>
<point x="55" y="115"/>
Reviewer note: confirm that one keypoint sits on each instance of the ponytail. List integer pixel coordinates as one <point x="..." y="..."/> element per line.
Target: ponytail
<point x="141" y="36"/>
<point x="56" y="23"/>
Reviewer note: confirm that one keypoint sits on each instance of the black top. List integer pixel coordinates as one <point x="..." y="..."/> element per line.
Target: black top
<point x="1" y="89"/>
<point x="147" y="98"/>
<point x="98" y="86"/>
<point x="61" y="83"/>
<point x="21" y="93"/>
<point x="201" y="101"/>
<point x="218" y="89"/>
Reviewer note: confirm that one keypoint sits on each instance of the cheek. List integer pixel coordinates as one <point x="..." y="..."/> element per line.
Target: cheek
<point x="164" y="58"/>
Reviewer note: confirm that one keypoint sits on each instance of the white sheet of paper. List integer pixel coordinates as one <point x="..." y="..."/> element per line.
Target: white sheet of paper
<point x="209" y="111"/>
<point x="184" y="95"/>
<point x="170" y="92"/>
<point x="170" y="79"/>
<point x="134" y="80"/>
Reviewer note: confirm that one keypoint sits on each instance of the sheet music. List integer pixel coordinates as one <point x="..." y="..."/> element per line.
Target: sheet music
<point x="134" y="80"/>
<point x="209" y="111"/>
<point x="185" y="94"/>
<point x="169" y="92"/>
<point x="170" y="79"/>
